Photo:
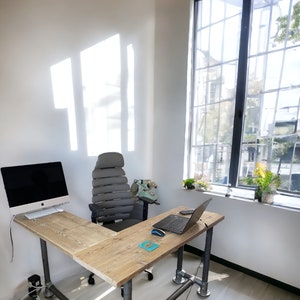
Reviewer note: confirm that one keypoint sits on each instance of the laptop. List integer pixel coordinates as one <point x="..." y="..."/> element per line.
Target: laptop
<point x="178" y="224"/>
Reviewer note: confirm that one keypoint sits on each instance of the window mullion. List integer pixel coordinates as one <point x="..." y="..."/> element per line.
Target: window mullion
<point x="240" y="93"/>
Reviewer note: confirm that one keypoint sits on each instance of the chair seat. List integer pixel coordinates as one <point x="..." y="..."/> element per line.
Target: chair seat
<point x="118" y="226"/>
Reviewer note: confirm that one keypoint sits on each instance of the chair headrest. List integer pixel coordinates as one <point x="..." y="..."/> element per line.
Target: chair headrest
<point x="110" y="160"/>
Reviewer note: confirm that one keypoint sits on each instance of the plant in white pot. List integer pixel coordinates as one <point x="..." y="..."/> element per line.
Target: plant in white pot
<point x="266" y="181"/>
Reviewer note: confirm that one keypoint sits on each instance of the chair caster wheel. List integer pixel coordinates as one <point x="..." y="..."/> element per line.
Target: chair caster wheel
<point x="149" y="273"/>
<point x="150" y="276"/>
<point x="91" y="279"/>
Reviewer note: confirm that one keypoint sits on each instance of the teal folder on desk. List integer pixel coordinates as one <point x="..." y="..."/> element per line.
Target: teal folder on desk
<point x="148" y="245"/>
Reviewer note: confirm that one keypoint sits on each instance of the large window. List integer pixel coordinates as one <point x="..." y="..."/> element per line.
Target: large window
<point x="246" y="90"/>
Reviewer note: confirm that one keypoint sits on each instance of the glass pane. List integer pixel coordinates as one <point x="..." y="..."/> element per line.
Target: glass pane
<point x="277" y="32"/>
<point x="286" y="118"/>
<point x="204" y="14"/>
<point x="229" y="73"/>
<point x="211" y="120"/>
<point x="259" y="29"/>
<point x="294" y="179"/>
<point x="283" y="152"/>
<point x="203" y="46"/>
<point x="218" y="9"/>
<point x="217" y="46"/>
<point x="199" y="126"/>
<point x="231" y="37"/>
<point x="256" y="75"/>
<point x="287" y="24"/>
<point x="233" y="8"/>
<point x="226" y="122"/>
<point x="273" y="73"/>
<point x="267" y="114"/>
<point x="291" y="68"/>
<point x="273" y="93"/>
<point x="213" y="84"/>
<point x="222" y="164"/>
<point x="201" y="156"/>
<point x="211" y="161"/>
<point x="252" y="120"/>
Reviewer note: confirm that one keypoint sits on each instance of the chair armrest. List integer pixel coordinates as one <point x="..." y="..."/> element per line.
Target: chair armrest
<point x="149" y="201"/>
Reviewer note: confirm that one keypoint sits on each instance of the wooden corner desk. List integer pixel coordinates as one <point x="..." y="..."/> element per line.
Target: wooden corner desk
<point x="116" y="256"/>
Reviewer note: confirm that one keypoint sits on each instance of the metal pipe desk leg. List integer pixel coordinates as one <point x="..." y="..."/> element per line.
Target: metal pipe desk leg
<point x="50" y="288"/>
<point x="203" y="291"/>
<point x="179" y="278"/>
<point x="127" y="290"/>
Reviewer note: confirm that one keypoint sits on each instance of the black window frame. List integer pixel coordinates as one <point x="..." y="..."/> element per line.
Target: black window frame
<point x="240" y="96"/>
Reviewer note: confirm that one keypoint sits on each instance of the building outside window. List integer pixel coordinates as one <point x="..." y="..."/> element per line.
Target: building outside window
<point x="245" y="93"/>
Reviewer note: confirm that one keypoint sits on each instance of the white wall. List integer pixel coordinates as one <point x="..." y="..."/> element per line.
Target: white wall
<point x="36" y="35"/>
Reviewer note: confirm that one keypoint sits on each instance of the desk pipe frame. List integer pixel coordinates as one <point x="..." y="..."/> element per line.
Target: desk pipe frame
<point x="50" y="288"/>
<point x="187" y="280"/>
<point x="181" y="277"/>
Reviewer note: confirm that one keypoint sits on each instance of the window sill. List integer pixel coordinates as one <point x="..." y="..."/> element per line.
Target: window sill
<point x="280" y="201"/>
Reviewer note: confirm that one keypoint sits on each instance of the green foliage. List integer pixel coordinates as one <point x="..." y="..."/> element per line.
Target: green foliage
<point x="202" y="185"/>
<point x="189" y="183"/>
<point x="265" y="180"/>
<point x="269" y="183"/>
<point x="286" y="30"/>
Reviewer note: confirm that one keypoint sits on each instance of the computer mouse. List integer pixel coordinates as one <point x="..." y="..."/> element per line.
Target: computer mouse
<point x="158" y="232"/>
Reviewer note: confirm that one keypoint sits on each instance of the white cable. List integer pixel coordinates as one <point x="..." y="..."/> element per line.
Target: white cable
<point x="196" y="273"/>
<point x="36" y="289"/>
<point x="11" y="239"/>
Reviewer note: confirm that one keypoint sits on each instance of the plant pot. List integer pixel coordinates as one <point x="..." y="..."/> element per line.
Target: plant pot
<point x="258" y="194"/>
<point x="267" y="198"/>
<point x="189" y="187"/>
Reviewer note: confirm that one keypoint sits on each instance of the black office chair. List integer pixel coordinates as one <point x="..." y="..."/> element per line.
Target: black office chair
<point x="113" y="203"/>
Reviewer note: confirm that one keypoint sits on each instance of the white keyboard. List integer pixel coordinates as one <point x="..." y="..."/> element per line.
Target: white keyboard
<point x="43" y="212"/>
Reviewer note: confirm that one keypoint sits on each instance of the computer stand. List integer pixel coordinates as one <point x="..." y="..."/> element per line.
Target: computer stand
<point x="188" y="280"/>
<point x="50" y="288"/>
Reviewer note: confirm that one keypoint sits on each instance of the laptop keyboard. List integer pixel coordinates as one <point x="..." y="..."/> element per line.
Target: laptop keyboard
<point x="174" y="223"/>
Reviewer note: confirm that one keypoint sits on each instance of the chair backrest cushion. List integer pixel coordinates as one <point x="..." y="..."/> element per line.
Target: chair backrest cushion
<point x="110" y="160"/>
<point x="111" y="192"/>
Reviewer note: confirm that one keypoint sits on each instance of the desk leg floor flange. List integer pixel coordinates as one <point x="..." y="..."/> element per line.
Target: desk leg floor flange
<point x="186" y="279"/>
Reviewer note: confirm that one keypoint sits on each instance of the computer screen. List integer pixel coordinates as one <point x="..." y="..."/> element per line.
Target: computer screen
<point x="33" y="187"/>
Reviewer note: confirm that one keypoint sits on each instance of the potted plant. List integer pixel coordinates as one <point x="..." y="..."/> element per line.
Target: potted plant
<point x="189" y="183"/>
<point x="266" y="181"/>
<point x="202" y="183"/>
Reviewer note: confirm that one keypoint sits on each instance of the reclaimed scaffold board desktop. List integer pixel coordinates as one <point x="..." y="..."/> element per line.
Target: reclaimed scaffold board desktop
<point x="116" y="256"/>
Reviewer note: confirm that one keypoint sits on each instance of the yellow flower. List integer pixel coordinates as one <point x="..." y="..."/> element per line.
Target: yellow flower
<point x="260" y="169"/>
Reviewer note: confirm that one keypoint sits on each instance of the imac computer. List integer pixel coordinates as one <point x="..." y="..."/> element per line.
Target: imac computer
<point x="35" y="187"/>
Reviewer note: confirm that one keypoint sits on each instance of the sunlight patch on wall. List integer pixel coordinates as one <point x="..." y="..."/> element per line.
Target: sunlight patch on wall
<point x="63" y="95"/>
<point x="130" y="99"/>
<point x="101" y="77"/>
